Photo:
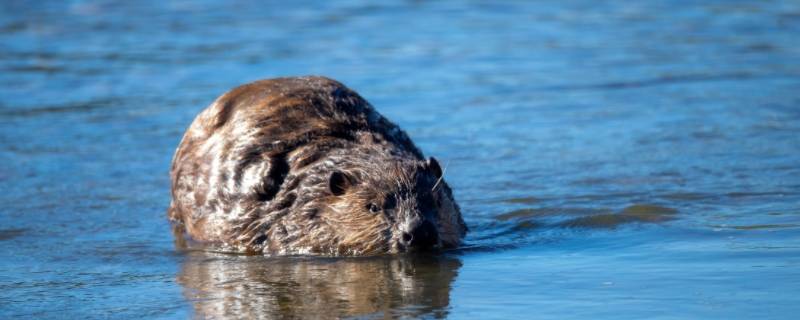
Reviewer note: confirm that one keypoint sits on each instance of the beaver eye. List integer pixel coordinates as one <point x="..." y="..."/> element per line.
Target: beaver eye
<point x="374" y="208"/>
<point x="390" y="203"/>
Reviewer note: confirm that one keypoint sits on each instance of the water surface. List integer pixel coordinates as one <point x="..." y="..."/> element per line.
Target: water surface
<point x="619" y="160"/>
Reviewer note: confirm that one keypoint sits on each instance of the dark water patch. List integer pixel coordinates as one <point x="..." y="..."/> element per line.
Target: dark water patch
<point x="527" y="223"/>
<point x="674" y="79"/>
<point x="594" y="181"/>
<point x="107" y="197"/>
<point x="729" y="196"/>
<point x="8" y="234"/>
<point x="7" y="111"/>
<point x="498" y="233"/>
<point x="214" y="48"/>
<point x="27" y="150"/>
<point x="648" y="211"/>
<point x="629" y="180"/>
<point x="759" y="47"/>
<point x="528" y="213"/>
<point x="13" y="27"/>
<point x="522" y="200"/>
<point x="72" y="280"/>
<point x="517" y="214"/>
<point x="605" y="196"/>
<point x="41" y="68"/>
<point x="608" y="221"/>
<point x="639" y="213"/>
<point x="505" y="200"/>
<point x="687" y="196"/>
<point x="707" y="135"/>
<point x="486" y="247"/>
<point x="126" y="251"/>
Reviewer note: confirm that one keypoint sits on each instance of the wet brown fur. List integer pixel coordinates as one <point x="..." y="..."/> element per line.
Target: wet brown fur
<point x="254" y="173"/>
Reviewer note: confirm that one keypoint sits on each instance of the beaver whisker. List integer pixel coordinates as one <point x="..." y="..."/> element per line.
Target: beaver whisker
<point x="444" y="170"/>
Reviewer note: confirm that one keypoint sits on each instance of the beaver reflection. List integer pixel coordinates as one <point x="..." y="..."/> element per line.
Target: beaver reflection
<point x="254" y="287"/>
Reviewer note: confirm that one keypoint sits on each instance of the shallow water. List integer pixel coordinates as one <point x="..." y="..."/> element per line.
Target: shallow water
<point x="613" y="161"/>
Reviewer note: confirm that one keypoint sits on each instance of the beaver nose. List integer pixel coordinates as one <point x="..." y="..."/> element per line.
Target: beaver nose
<point x="424" y="236"/>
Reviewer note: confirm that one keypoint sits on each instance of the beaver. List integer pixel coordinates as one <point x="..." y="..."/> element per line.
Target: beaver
<point x="306" y="166"/>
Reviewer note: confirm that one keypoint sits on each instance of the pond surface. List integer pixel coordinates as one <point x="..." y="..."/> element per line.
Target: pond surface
<point x="628" y="160"/>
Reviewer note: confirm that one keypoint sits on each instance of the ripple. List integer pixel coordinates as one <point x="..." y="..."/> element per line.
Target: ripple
<point x="40" y="68"/>
<point x="522" y="200"/>
<point x="647" y="210"/>
<point x="757" y="194"/>
<point x="757" y="226"/>
<point x="687" y="196"/>
<point x="8" y="234"/>
<point x="528" y="213"/>
<point x="671" y="79"/>
<point x="588" y="218"/>
<point x="65" y="108"/>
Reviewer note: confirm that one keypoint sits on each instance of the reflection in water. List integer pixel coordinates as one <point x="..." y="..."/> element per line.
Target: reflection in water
<point x="255" y="287"/>
<point x="236" y="286"/>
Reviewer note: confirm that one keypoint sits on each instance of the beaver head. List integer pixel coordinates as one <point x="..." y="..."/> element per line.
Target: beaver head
<point x="394" y="206"/>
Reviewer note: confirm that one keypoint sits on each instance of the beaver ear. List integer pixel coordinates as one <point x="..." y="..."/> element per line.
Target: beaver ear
<point x="339" y="182"/>
<point x="434" y="166"/>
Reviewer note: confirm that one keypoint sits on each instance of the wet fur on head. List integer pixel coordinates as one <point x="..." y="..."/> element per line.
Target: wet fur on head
<point x="305" y="166"/>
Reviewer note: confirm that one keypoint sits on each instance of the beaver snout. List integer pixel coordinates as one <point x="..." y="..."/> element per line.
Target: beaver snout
<point x="421" y="236"/>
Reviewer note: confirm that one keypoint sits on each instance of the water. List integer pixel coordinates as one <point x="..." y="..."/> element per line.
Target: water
<point x="620" y="160"/>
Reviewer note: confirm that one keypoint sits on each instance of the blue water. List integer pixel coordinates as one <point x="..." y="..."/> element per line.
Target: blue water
<point x="613" y="160"/>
